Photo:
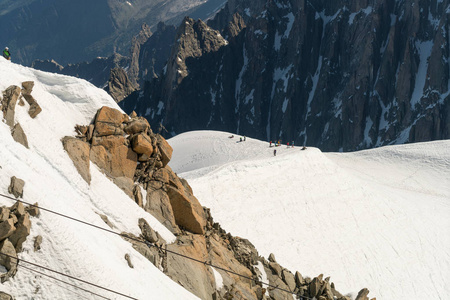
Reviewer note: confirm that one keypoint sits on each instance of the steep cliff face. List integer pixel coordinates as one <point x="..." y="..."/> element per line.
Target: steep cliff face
<point x="338" y="75"/>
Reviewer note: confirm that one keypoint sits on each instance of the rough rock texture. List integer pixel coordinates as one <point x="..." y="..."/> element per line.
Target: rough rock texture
<point x="5" y="296"/>
<point x="119" y="86"/>
<point x="19" y="135"/>
<point x="79" y="153"/>
<point x="37" y="243"/>
<point x="15" y="227"/>
<point x="331" y="74"/>
<point x="35" y="109"/>
<point x="187" y="211"/>
<point x="16" y="187"/>
<point x="10" y="97"/>
<point x="8" y="260"/>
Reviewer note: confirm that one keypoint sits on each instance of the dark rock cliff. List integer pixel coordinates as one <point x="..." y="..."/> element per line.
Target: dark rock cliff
<point x="338" y="75"/>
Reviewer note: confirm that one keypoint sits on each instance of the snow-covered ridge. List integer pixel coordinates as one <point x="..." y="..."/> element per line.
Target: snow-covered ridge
<point x="376" y="218"/>
<point x="52" y="180"/>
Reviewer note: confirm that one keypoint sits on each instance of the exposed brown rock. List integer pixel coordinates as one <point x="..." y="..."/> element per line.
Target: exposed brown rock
<point x="79" y="154"/>
<point x="128" y="259"/>
<point x="125" y="184"/>
<point x="33" y="210"/>
<point x="147" y="232"/>
<point x="18" y="209"/>
<point x="165" y="150"/>
<point x="35" y="109"/>
<point x="187" y="211"/>
<point x="113" y="156"/>
<point x="158" y="204"/>
<point x="137" y="194"/>
<point x="9" y="260"/>
<point x="142" y="144"/>
<point x="27" y="87"/>
<point x="10" y="96"/>
<point x="6" y="229"/>
<point x="16" y="187"/>
<point x="22" y="231"/>
<point x="362" y="295"/>
<point x="137" y="125"/>
<point x="19" y="135"/>
<point x="108" y="122"/>
<point x="4" y="213"/>
<point x="37" y="243"/>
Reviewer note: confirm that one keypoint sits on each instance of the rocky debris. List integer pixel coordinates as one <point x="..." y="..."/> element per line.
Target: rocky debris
<point x="128" y="259"/>
<point x="147" y="232"/>
<point x="19" y="135"/>
<point x="16" y="187"/>
<point x="119" y="86"/>
<point x="106" y="220"/>
<point x="6" y="229"/>
<point x="27" y="88"/>
<point x="78" y="152"/>
<point x="8" y="259"/>
<point x="37" y="243"/>
<point x="10" y="97"/>
<point x="5" y="296"/>
<point x="33" y="210"/>
<point x="15" y="227"/>
<point x="362" y="295"/>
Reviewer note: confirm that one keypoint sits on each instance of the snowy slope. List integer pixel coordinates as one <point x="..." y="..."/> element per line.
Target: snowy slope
<point x="52" y="180"/>
<point x="377" y="218"/>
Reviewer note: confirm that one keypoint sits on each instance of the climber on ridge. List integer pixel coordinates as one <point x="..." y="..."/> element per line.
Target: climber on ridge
<point x="6" y="53"/>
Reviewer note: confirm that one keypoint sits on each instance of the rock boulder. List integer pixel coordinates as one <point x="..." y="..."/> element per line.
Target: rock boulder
<point x="79" y="154"/>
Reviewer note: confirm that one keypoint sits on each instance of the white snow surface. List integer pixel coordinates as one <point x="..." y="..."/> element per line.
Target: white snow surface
<point x="376" y="218"/>
<point x="52" y="180"/>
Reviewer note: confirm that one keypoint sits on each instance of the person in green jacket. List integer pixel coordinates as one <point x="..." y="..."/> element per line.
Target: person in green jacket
<point x="6" y="53"/>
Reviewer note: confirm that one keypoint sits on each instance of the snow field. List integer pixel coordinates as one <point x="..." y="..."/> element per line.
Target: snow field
<point x="375" y="218"/>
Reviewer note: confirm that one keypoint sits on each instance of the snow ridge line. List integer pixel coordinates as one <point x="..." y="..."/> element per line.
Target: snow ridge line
<point x="69" y="276"/>
<point x="148" y="244"/>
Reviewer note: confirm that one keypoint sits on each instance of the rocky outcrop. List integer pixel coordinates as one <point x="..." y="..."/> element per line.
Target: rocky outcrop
<point x="19" y="135"/>
<point x="119" y="86"/>
<point x="16" y="187"/>
<point x="286" y="71"/>
<point x="10" y="97"/>
<point x="27" y="88"/>
<point x="15" y="226"/>
<point x="78" y="152"/>
<point x="116" y="143"/>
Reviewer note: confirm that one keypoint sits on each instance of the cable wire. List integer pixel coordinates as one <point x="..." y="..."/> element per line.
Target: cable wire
<point x="155" y="246"/>
<point x="68" y="276"/>
<point x="54" y="278"/>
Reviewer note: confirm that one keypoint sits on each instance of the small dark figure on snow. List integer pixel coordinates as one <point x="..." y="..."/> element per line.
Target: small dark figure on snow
<point x="240" y="140"/>
<point x="304" y="148"/>
<point x="244" y="138"/>
<point x="270" y="144"/>
<point x="231" y="136"/>
<point x="6" y="53"/>
<point x="275" y="152"/>
<point x="292" y="144"/>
